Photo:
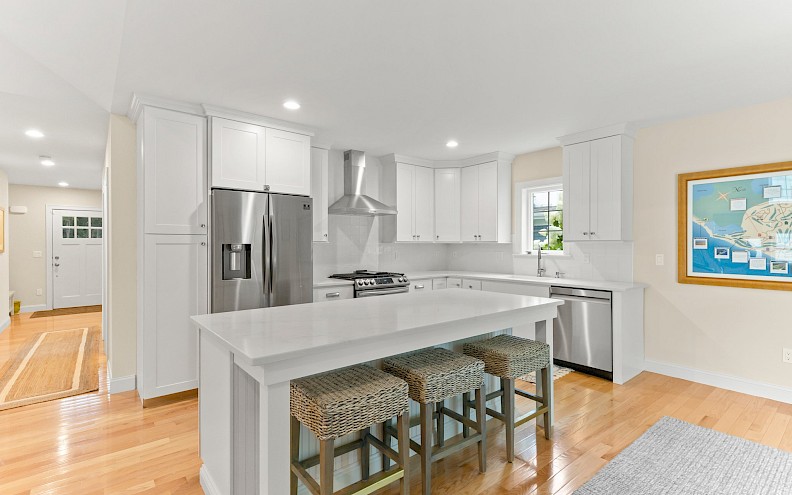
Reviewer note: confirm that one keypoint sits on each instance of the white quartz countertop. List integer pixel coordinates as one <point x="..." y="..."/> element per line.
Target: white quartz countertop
<point x="268" y="335"/>
<point x="503" y="277"/>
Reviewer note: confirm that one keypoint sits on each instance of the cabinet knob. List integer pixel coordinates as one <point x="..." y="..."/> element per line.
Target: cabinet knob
<point x="330" y="295"/>
<point x="591" y="233"/>
<point x="325" y="235"/>
<point x="203" y="244"/>
<point x="438" y="237"/>
<point x="585" y="233"/>
<point x="266" y="187"/>
<point x="203" y="225"/>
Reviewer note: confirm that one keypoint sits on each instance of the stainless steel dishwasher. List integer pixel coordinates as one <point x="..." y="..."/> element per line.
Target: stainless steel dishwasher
<point x="583" y="331"/>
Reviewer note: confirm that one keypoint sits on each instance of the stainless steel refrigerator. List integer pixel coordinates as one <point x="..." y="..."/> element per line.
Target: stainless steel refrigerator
<point x="261" y="250"/>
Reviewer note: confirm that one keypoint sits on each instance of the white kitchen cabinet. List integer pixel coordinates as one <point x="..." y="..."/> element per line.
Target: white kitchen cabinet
<point x="174" y="286"/>
<point x="238" y="155"/>
<point x="414" y="199"/>
<point x="172" y="165"/>
<point x="454" y="283"/>
<point x="421" y="285"/>
<point x="486" y="202"/>
<point x="256" y="158"/>
<point x="471" y="284"/>
<point x="320" y="193"/>
<point x="288" y="162"/>
<point x="333" y="293"/>
<point x="446" y="198"/>
<point x="439" y="283"/>
<point x="598" y="189"/>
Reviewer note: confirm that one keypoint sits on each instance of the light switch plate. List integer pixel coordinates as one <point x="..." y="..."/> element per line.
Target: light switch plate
<point x="787" y="357"/>
<point x="37" y="254"/>
<point x="659" y="260"/>
<point x="39" y="292"/>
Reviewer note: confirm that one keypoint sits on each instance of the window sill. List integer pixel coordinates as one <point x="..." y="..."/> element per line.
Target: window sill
<point x="546" y="254"/>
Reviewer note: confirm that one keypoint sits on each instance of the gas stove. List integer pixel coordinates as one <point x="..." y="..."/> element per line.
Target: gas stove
<point x="370" y="283"/>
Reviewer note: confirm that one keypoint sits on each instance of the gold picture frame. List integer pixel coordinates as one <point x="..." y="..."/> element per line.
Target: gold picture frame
<point x="729" y="184"/>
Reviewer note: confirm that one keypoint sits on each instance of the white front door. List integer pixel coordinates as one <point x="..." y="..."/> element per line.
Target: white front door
<point x="76" y="258"/>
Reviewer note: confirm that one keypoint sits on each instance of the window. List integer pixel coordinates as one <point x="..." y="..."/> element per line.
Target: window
<point x="541" y="219"/>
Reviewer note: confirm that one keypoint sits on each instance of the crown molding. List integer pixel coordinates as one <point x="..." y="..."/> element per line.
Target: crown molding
<point x="139" y="101"/>
<point x="251" y="118"/>
<point x="626" y="129"/>
<point x="464" y="162"/>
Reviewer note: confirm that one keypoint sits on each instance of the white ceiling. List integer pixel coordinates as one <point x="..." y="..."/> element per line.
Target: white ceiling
<point x="381" y="76"/>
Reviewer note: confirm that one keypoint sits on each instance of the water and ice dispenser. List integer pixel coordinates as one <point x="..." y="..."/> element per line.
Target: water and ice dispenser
<point x="236" y="261"/>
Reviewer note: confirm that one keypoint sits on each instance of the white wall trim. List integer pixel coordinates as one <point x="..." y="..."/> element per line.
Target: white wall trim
<point x="495" y="156"/>
<point x="728" y="382"/>
<point x="627" y="129"/>
<point x="207" y="483"/>
<point x="121" y="384"/>
<point x="31" y="308"/>
<point x="251" y="118"/>
<point x="48" y="240"/>
<point x="6" y="323"/>
<point x="139" y="101"/>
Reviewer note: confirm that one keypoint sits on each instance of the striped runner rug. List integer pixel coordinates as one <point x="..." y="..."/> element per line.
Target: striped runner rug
<point x="51" y="365"/>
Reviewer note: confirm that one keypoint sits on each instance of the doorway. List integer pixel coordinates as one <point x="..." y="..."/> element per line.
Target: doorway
<point x="75" y="272"/>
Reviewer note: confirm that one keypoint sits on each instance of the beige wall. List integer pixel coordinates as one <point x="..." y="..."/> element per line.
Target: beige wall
<point x="542" y="164"/>
<point x="5" y="256"/>
<point x="737" y="332"/>
<point x="29" y="234"/>
<point x="122" y="243"/>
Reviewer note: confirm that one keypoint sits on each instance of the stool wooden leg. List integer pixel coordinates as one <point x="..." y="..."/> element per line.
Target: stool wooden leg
<point x="294" y="452"/>
<point x="481" y="419"/>
<point x="466" y="413"/>
<point x="508" y="413"/>
<point x="547" y="397"/>
<point x="440" y="424"/>
<point x="326" y="463"/>
<point x="386" y="439"/>
<point x="365" y="454"/>
<point x="404" y="451"/>
<point x="426" y="448"/>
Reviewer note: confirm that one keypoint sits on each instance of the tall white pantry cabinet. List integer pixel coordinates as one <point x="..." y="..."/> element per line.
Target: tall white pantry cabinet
<point x="172" y="248"/>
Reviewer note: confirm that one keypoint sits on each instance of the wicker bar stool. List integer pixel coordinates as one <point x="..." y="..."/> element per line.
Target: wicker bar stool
<point x="435" y="375"/>
<point x="341" y="402"/>
<point x="509" y="358"/>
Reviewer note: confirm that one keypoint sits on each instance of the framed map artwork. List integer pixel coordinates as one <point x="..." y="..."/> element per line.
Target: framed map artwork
<point x="735" y="227"/>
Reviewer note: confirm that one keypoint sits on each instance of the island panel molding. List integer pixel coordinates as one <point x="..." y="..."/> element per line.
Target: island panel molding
<point x="734" y="227"/>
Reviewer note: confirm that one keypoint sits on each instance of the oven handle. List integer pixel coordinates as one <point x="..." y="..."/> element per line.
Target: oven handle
<point x="382" y="292"/>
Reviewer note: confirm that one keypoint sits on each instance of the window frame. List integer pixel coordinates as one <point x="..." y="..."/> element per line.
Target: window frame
<point x="523" y="209"/>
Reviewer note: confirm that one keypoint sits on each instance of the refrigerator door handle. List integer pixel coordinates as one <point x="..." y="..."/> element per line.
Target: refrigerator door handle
<point x="273" y="258"/>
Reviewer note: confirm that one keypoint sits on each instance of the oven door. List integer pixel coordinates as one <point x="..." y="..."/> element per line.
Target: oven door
<point x="381" y="292"/>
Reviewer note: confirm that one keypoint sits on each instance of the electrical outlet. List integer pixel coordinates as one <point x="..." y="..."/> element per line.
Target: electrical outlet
<point x="37" y="254"/>
<point x="787" y="355"/>
<point x="39" y="292"/>
<point x="659" y="260"/>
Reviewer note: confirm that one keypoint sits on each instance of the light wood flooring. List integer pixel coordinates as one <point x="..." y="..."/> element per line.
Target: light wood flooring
<point x="96" y="443"/>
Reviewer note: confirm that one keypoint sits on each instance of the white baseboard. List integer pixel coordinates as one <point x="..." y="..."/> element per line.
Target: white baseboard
<point x="207" y="483"/>
<point x="33" y="308"/>
<point x="6" y="323"/>
<point x="121" y="384"/>
<point x="736" y="384"/>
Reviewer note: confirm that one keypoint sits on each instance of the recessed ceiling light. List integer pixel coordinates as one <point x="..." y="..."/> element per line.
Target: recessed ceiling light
<point x="452" y="144"/>
<point x="34" y="133"/>
<point x="63" y="184"/>
<point x="291" y="105"/>
<point x="46" y="161"/>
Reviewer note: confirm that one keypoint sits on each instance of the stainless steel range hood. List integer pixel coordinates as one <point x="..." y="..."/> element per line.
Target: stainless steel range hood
<point x="354" y="201"/>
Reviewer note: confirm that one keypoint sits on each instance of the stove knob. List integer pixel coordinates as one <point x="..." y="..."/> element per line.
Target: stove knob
<point x="371" y="281"/>
<point x="368" y="282"/>
<point x="401" y="279"/>
<point x="360" y="282"/>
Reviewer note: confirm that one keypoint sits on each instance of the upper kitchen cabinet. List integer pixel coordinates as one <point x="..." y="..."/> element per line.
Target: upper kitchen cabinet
<point x="319" y="192"/>
<point x="446" y="198"/>
<point x="598" y="188"/>
<point x="485" y="202"/>
<point x="172" y="165"/>
<point x="254" y="157"/>
<point x="414" y="199"/>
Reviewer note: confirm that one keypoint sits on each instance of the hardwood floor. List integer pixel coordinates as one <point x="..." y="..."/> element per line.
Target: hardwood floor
<point x="97" y="443"/>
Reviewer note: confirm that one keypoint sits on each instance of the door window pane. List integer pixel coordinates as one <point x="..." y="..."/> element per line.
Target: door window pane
<point x="82" y="233"/>
<point x="82" y="221"/>
<point x="68" y="221"/>
<point x="68" y="233"/>
<point x="96" y="222"/>
<point x="96" y="233"/>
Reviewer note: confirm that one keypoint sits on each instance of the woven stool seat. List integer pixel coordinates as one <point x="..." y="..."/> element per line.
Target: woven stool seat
<point x="507" y="356"/>
<point x="339" y="402"/>
<point x="436" y="374"/>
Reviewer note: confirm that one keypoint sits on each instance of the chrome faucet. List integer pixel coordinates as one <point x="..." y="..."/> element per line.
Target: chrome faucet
<point x="539" y="270"/>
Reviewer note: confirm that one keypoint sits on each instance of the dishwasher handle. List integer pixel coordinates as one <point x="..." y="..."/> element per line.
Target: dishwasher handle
<point x="589" y="300"/>
<point x="577" y="292"/>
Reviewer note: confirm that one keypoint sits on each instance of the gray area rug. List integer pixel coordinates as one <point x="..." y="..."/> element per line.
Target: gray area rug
<point x="675" y="457"/>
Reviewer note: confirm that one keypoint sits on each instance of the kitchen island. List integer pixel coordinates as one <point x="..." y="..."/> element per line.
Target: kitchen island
<point x="247" y="359"/>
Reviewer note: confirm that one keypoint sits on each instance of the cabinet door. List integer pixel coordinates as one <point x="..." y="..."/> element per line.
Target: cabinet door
<point x="488" y="201"/>
<point x="173" y="151"/>
<point x="238" y="158"/>
<point x="471" y="284"/>
<point x="447" y="215"/>
<point x="454" y="283"/>
<point x="405" y="231"/>
<point x="605" y="214"/>
<point x="469" y="204"/>
<point x="423" y="203"/>
<point x="288" y="162"/>
<point x="577" y="169"/>
<point x="421" y="285"/>
<point x="439" y="283"/>
<point x="319" y="193"/>
<point x="175" y="288"/>
<point x="333" y="293"/>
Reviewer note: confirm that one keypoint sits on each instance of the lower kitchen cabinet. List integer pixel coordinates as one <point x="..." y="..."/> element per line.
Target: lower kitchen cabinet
<point x="333" y="293"/>
<point x="421" y="285"/>
<point x="471" y="284"/>
<point x="439" y="283"/>
<point x="453" y="283"/>
<point x="172" y="286"/>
